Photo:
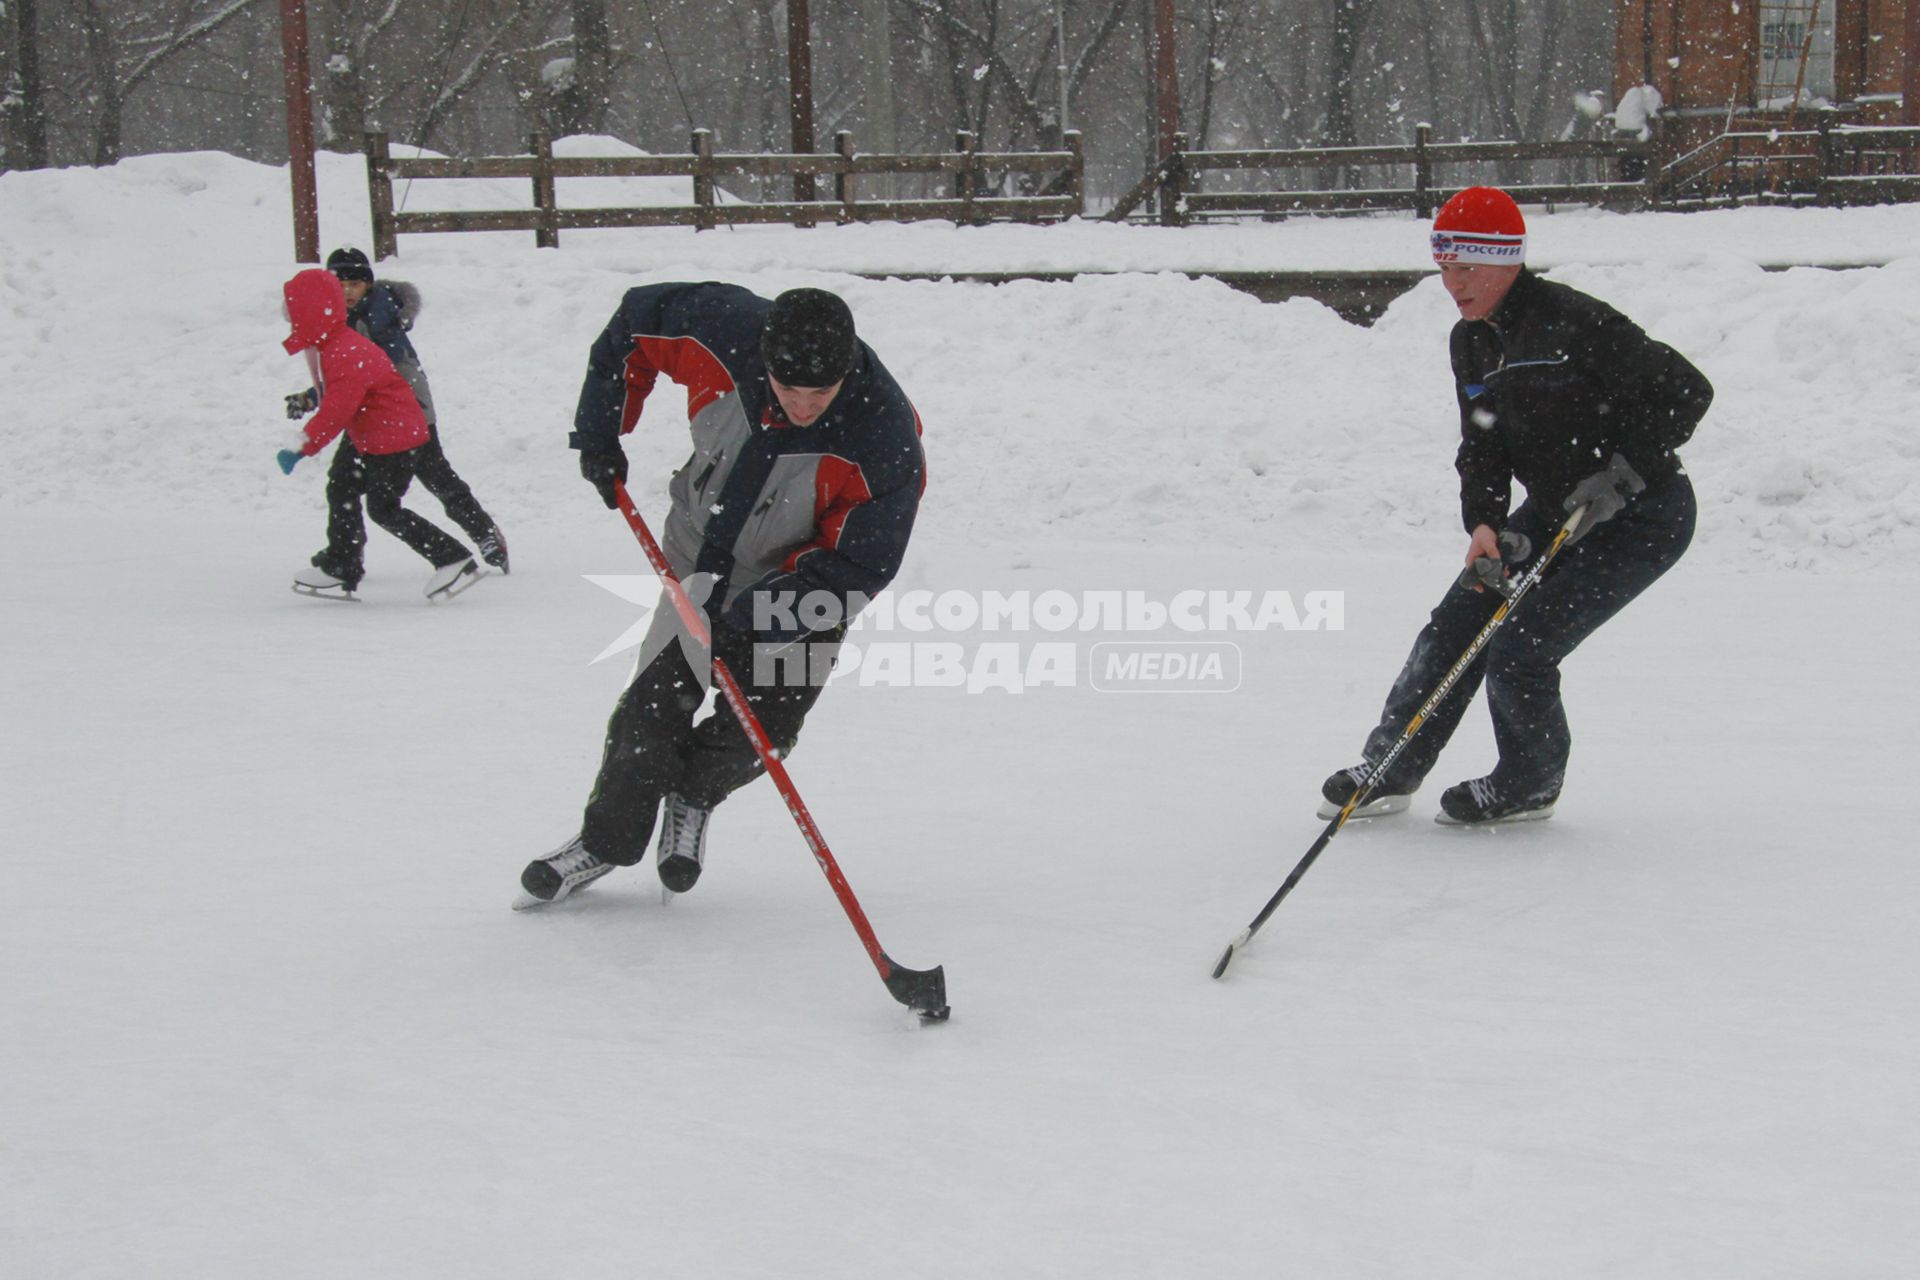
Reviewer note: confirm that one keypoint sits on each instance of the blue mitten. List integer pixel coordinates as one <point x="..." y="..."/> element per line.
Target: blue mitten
<point x="288" y="459"/>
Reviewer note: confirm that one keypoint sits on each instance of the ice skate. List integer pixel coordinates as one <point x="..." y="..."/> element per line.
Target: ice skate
<point x="683" y="844"/>
<point x="1383" y="799"/>
<point x="493" y="549"/>
<point x="322" y="585"/>
<point x="1479" y="803"/>
<point x="557" y="876"/>
<point x="451" y="580"/>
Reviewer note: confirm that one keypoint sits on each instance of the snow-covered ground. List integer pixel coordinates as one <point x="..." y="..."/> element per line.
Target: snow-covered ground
<point x="265" y="1011"/>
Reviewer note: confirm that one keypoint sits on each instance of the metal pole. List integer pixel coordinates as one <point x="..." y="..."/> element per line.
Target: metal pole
<point x="800" y="88"/>
<point x="306" y="211"/>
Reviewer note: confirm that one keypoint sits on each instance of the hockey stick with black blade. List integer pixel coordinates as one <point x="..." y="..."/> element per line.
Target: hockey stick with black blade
<point x="1518" y="589"/>
<point x="922" y="990"/>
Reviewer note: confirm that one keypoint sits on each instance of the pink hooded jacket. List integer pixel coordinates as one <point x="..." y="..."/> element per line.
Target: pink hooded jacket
<point x="360" y="391"/>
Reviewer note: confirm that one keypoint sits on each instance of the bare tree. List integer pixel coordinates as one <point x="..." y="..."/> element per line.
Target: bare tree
<point x="354" y="30"/>
<point x="1219" y="33"/>
<point x="983" y="54"/>
<point x="123" y="50"/>
<point x="23" y="101"/>
<point x="577" y="87"/>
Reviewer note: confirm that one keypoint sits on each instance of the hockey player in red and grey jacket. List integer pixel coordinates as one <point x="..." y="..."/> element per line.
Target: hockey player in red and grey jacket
<point x="803" y="485"/>
<point x="362" y="395"/>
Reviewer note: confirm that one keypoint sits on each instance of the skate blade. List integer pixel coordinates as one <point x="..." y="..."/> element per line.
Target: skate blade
<point x="1541" y="814"/>
<point x="325" y="593"/>
<point x="1371" y="809"/>
<point x="466" y="578"/>
<point x="527" y="902"/>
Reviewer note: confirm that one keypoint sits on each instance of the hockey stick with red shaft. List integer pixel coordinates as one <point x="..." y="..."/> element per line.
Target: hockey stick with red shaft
<point x="1523" y="584"/>
<point x="922" y="990"/>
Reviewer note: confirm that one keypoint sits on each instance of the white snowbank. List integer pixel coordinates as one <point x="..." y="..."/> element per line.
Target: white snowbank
<point x="139" y="349"/>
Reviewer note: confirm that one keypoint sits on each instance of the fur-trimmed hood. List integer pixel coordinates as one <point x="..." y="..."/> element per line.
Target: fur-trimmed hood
<point x="406" y="298"/>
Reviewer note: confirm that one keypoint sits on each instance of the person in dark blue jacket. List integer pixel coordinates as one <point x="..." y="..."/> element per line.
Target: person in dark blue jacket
<point x="794" y="509"/>
<point x="1561" y="392"/>
<point x="385" y="312"/>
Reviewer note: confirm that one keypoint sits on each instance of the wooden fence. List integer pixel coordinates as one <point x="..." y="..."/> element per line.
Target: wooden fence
<point x="971" y="172"/>
<point x="1829" y="164"/>
<point x="1177" y="180"/>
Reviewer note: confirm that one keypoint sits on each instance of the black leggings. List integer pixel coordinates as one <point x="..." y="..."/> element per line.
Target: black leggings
<point x="382" y="479"/>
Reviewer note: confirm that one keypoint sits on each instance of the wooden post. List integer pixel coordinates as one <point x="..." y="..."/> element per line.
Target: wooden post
<point x="1076" y="172"/>
<point x="1422" y="171"/>
<point x="703" y="199"/>
<point x="845" y="187"/>
<point x="1910" y="67"/>
<point x="1173" y="184"/>
<point x="293" y="53"/>
<point x="800" y="88"/>
<point x="547" y="234"/>
<point x="1824" y="147"/>
<point x="386" y="242"/>
<point x="963" y="178"/>
<point x="1166" y="82"/>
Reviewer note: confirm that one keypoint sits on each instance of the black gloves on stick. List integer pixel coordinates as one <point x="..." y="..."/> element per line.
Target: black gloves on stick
<point x="1490" y="573"/>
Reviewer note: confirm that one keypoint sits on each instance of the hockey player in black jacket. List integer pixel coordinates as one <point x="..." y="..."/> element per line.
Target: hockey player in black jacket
<point x="1564" y="394"/>
<point x="793" y="510"/>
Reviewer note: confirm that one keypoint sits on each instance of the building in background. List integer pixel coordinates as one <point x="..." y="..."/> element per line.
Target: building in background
<point x="1760" y="66"/>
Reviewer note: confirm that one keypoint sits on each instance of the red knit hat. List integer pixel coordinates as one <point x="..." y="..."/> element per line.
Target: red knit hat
<point x="1480" y="225"/>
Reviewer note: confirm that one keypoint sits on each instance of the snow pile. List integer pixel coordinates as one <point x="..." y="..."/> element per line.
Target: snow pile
<point x="139" y="348"/>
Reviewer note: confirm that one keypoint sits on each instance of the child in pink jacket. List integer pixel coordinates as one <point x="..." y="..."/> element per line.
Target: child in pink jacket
<point x="362" y="394"/>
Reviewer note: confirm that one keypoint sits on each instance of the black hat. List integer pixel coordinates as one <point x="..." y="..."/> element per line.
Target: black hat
<point x="808" y="341"/>
<point x="350" y="264"/>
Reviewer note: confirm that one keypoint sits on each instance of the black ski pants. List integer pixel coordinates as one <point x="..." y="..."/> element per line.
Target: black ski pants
<point x="435" y="474"/>
<point x="1588" y="582"/>
<point x="381" y="479"/>
<point x="653" y="746"/>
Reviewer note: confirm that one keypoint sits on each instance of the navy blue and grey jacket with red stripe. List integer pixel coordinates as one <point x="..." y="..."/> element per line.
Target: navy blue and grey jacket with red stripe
<point x="761" y="503"/>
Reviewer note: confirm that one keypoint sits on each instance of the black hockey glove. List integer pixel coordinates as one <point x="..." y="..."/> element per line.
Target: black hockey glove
<point x="1490" y="573"/>
<point x="602" y="469"/>
<point x="302" y="403"/>
<point x="1603" y="494"/>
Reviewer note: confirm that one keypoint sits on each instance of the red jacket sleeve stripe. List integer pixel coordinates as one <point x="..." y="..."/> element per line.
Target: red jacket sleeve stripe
<point x="685" y="360"/>
<point x="838" y="487"/>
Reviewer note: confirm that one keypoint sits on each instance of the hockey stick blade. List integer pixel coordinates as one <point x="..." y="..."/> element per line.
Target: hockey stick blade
<point x="922" y="990"/>
<point x="1233" y="949"/>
